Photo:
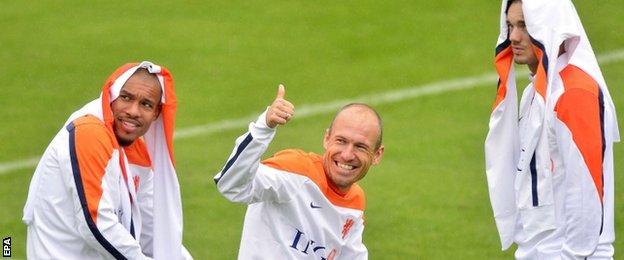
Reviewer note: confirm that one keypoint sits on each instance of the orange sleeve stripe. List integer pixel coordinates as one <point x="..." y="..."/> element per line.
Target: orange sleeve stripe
<point x="502" y="62"/>
<point x="540" y="80"/>
<point x="310" y="165"/>
<point x="579" y="109"/>
<point x="574" y="77"/>
<point x="137" y="154"/>
<point x="93" y="149"/>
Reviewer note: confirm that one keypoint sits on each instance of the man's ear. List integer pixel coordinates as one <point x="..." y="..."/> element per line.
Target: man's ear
<point x="158" y="110"/>
<point x="326" y="139"/>
<point x="378" y="155"/>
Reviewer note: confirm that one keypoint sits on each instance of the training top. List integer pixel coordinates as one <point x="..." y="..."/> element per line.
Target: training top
<point x="549" y="159"/>
<point x="293" y="210"/>
<point x="91" y="198"/>
<point x="85" y="203"/>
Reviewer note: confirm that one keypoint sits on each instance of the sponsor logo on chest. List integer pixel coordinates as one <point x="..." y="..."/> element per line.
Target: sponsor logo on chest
<point x="305" y="244"/>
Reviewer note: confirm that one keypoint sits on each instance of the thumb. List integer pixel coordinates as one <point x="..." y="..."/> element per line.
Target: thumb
<point x="280" y="91"/>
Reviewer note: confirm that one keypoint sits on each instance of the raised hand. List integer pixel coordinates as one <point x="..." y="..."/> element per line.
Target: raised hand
<point x="281" y="110"/>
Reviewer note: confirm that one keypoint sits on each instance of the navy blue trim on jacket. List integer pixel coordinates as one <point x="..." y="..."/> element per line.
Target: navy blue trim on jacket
<point x="83" y="200"/>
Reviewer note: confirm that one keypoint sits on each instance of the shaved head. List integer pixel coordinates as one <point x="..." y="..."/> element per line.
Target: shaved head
<point x="144" y="75"/>
<point x="366" y="112"/>
<point x="352" y="145"/>
<point x="136" y="107"/>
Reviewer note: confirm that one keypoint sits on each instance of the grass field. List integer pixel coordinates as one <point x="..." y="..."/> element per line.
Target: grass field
<point x="426" y="200"/>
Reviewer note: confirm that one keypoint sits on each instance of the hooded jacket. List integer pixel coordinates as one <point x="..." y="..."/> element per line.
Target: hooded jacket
<point x="550" y="168"/>
<point x="91" y="198"/>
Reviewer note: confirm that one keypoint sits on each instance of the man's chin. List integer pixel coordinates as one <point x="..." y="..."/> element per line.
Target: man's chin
<point x="343" y="181"/>
<point x="124" y="141"/>
<point x="519" y="60"/>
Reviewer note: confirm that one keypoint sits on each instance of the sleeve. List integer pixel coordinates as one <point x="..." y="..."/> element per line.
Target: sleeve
<point x="244" y="179"/>
<point x="580" y="143"/>
<point x="145" y="200"/>
<point x="355" y="248"/>
<point x="96" y="183"/>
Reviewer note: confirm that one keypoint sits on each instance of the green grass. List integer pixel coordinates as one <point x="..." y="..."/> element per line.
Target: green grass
<point x="426" y="200"/>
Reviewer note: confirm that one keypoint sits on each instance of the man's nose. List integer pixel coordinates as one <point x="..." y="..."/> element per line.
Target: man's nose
<point x="133" y="109"/>
<point x="348" y="153"/>
<point x="515" y="35"/>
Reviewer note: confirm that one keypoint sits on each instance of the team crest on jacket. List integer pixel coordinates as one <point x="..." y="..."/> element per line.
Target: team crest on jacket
<point x="136" y="180"/>
<point x="347" y="227"/>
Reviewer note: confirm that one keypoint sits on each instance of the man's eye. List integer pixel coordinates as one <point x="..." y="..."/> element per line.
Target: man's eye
<point x="147" y="105"/>
<point x="125" y="97"/>
<point x="522" y="26"/>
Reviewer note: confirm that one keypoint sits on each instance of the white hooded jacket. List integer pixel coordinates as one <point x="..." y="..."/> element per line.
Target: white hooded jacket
<point x="91" y="198"/>
<point x="550" y="168"/>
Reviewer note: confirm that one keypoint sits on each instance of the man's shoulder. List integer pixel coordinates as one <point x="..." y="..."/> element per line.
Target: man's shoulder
<point x="298" y="154"/>
<point x="295" y="161"/>
<point x="581" y="96"/>
<point x="575" y="79"/>
<point x="357" y="190"/>
<point x="90" y="122"/>
<point x="90" y="131"/>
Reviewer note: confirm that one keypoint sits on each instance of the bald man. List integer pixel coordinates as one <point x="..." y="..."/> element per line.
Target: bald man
<point x="303" y="205"/>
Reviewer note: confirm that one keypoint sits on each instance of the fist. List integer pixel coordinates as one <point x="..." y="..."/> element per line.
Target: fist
<point x="281" y="110"/>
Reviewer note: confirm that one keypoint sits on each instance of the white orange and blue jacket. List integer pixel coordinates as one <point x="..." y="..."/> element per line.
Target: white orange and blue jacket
<point x="549" y="160"/>
<point x="90" y="198"/>
<point x="293" y="212"/>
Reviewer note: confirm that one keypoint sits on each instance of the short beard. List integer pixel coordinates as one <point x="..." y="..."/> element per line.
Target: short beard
<point x="123" y="142"/>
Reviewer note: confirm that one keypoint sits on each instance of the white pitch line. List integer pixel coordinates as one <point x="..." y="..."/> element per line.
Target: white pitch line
<point x="303" y="111"/>
<point x="20" y="164"/>
<point x="322" y="108"/>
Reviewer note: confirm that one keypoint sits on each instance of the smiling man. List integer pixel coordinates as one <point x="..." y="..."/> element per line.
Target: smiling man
<point x="303" y="205"/>
<point x="136" y="107"/>
<point x="106" y="186"/>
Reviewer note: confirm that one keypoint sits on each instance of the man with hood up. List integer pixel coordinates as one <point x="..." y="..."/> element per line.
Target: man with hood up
<point x="106" y="186"/>
<point x="550" y="167"/>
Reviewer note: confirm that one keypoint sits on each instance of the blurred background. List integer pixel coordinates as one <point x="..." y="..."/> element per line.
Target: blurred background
<point x="425" y="65"/>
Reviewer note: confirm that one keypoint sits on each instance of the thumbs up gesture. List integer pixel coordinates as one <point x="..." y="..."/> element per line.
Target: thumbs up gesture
<point x="281" y="110"/>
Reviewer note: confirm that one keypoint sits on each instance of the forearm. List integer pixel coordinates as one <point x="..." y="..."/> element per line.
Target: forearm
<point x="235" y="180"/>
<point x="145" y="201"/>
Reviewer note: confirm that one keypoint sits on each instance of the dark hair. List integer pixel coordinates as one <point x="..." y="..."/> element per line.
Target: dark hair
<point x="509" y="2"/>
<point x="367" y="107"/>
